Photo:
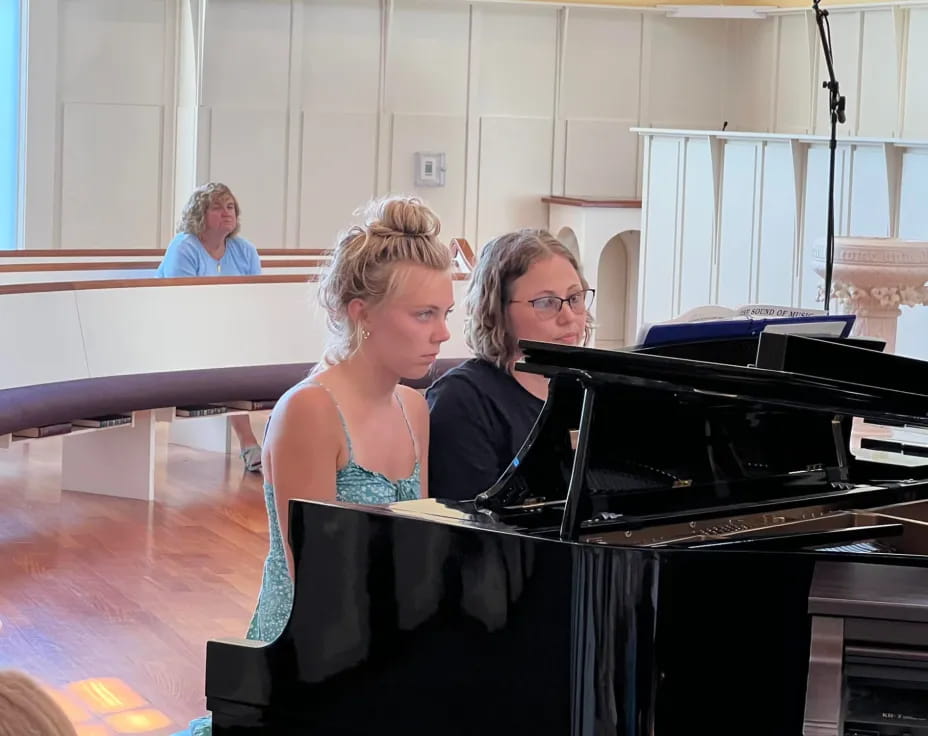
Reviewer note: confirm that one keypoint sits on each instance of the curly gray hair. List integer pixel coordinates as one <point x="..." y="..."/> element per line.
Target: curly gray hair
<point x="193" y="218"/>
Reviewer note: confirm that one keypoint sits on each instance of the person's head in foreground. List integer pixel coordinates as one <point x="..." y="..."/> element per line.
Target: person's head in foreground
<point x="27" y="710"/>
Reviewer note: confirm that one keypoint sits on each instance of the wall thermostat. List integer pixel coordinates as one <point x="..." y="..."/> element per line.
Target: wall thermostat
<point x="430" y="169"/>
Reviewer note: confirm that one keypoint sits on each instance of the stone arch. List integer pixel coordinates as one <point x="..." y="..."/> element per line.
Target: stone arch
<point x="569" y="238"/>
<point x="617" y="291"/>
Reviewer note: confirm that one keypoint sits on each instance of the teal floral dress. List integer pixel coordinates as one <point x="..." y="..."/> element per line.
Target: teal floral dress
<point x="353" y="484"/>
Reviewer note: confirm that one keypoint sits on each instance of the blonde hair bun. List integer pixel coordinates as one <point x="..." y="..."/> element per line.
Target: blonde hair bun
<point x="396" y="230"/>
<point x="405" y="217"/>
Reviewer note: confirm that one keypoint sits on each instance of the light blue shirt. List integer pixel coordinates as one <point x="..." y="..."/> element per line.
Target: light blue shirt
<point x="186" y="256"/>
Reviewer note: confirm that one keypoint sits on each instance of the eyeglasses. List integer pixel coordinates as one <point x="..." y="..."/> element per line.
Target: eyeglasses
<point x="547" y="307"/>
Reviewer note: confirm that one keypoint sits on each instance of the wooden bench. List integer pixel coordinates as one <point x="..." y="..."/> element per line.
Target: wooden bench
<point x="119" y="460"/>
<point x="67" y="270"/>
<point x="65" y="334"/>
<point x="89" y="255"/>
<point x="17" y="267"/>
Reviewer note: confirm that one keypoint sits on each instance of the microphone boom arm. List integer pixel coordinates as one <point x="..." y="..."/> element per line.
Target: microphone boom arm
<point x="836" y="108"/>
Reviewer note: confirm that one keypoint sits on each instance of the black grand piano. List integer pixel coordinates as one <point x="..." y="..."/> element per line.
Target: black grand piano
<point x="688" y="543"/>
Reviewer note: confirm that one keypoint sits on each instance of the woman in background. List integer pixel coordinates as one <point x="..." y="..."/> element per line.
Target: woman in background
<point x="207" y="244"/>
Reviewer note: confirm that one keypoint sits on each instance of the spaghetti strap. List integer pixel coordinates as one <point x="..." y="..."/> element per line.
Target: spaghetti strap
<point x="341" y="417"/>
<point x="412" y="435"/>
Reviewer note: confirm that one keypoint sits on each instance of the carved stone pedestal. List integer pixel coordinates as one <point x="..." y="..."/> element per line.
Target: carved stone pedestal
<point x="873" y="277"/>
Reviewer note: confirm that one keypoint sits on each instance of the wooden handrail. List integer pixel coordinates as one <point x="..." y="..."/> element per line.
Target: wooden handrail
<point x="46" y="286"/>
<point x="147" y="252"/>
<point x="78" y="266"/>
<point x="593" y="202"/>
<point x="465" y="249"/>
<point x="140" y="265"/>
<point x="155" y="282"/>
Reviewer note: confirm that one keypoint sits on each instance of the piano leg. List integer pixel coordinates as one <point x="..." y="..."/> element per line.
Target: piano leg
<point x="823" y="693"/>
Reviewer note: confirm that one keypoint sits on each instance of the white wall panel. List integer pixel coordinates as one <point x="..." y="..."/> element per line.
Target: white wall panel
<point x="515" y="153"/>
<point x="878" y="109"/>
<point x="443" y="133"/>
<point x="912" y="338"/>
<point x="661" y="214"/>
<point x="601" y="158"/>
<point x="341" y="55"/>
<point x="793" y="75"/>
<point x="778" y="221"/>
<point x="602" y="64"/>
<point x="427" y="71"/>
<point x="248" y="154"/>
<point x="113" y="51"/>
<point x="869" y="206"/>
<point x="915" y="119"/>
<point x="750" y="74"/>
<point x="738" y="221"/>
<point x="698" y="227"/>
<point x="687" y="73"/>
<point x="913" y="197"/>
<point x="268" y="63"/>
<point x="338" y="173"/>
<point x="247" y="53"/>
<point x="111" y="173"/>
<point x="517" y="54"/>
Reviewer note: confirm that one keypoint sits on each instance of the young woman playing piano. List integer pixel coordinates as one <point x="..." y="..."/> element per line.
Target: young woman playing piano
<point x="350" y="432"/>
<point x="526" y="285"/>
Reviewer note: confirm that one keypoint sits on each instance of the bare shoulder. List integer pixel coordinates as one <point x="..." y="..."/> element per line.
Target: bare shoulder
<point x="305" y="404"/>
<point x="412" y="399"/>
<point x="416" y="407"/>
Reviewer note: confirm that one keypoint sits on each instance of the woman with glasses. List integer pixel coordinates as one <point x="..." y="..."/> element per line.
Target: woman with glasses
<point x="526" y="285"/>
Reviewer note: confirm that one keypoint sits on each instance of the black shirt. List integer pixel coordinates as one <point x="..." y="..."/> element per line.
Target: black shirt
<point x="479" y="418"/>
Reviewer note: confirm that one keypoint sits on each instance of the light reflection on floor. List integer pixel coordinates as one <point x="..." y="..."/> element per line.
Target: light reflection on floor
<point x="105" y="706"/>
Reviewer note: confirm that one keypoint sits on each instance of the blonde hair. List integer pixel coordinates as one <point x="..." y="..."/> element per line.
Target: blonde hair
<point x="193" y="218"/>
<point x="25" y="708"/>
<point x="501" y="261"/>
<point x="395" y="230"/>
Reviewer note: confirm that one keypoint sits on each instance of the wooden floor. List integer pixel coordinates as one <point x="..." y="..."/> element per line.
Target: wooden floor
<point x="109" y="602"/>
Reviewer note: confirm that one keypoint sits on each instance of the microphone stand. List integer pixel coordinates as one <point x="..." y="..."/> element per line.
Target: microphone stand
<point x="836" y="104"/>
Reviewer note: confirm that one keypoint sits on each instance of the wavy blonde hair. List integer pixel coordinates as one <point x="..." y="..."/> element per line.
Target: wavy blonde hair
<point x="395" y="230"/>
<point x="487" y="330"/>
<point x="193" y="218"/>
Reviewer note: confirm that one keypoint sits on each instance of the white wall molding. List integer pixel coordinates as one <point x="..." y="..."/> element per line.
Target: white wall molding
<point x="769" y="217"/>
<point x="339" y="94"/>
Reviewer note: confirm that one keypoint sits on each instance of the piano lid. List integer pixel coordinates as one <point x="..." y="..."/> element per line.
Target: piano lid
<point x="805" y="373"/>
<point x="628" y="438"/>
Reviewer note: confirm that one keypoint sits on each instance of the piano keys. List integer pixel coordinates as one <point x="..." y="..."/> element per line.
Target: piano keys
<point x="651" y="563"/>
